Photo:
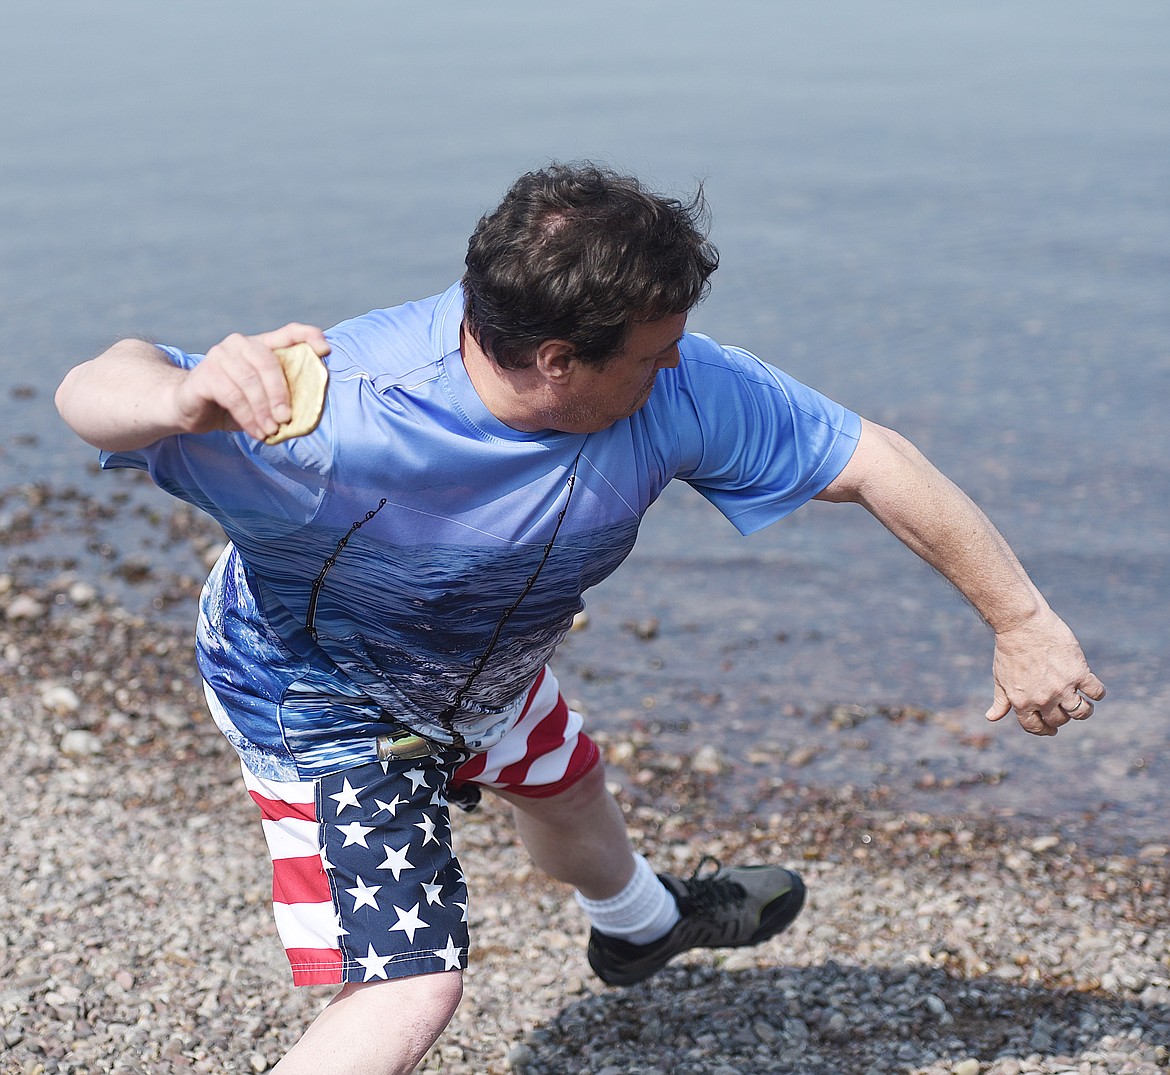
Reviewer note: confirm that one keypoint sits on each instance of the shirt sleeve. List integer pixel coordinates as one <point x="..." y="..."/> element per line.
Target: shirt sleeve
<point x="754" y="441"/>
<point x="249" y="487"/>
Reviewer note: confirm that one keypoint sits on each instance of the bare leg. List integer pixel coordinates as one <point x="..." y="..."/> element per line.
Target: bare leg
<point x="376" y="1028"/>
<point x="578" y="836"/>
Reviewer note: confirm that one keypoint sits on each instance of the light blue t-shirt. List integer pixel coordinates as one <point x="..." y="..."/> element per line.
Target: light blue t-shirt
<point x="415" y="559"/>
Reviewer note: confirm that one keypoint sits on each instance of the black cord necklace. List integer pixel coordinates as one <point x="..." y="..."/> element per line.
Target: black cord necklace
<point x="319" y="581"/>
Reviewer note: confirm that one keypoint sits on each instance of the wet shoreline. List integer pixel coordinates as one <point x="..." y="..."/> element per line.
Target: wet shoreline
<point x="722" y="688"/>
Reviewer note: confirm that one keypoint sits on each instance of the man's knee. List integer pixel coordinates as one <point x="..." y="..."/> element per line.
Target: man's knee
<point x="441" y="992"/>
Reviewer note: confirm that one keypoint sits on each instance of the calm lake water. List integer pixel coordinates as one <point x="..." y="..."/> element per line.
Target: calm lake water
<point x="952" y="217"/>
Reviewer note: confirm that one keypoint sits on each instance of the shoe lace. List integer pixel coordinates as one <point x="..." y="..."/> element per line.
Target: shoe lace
<point x="708" y="893"/>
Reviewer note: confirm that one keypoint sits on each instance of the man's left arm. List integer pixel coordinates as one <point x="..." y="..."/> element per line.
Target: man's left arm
<point x="1039" y="668"/>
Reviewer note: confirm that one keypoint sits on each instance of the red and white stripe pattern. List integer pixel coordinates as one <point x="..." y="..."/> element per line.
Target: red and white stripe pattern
<point x="302" y="900"/>
<point x="542" y="754"/>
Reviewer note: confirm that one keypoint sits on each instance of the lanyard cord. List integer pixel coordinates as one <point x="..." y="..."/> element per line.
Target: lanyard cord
<point x="319" y="581"/>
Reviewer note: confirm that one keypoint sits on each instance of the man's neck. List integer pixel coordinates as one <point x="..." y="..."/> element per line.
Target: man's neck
<point x="512" y="396"/>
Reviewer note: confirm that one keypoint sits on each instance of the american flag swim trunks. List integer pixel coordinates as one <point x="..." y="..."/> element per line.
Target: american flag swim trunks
<point x="365" y="883"/>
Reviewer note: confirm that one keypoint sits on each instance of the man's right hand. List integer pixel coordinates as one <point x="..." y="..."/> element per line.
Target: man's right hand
<point x="241" y="383"/>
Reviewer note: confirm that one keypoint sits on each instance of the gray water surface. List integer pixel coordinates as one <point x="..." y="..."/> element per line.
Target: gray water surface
<point x="953" y="218"/>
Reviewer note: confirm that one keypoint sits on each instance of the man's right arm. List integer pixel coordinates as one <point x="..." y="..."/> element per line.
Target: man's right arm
<point x="131" y="395"/>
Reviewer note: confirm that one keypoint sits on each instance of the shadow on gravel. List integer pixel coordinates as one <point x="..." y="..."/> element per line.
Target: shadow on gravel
<point x="835" y="1018"/>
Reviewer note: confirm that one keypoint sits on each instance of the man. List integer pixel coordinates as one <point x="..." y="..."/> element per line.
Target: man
<point x="374" y="641"/>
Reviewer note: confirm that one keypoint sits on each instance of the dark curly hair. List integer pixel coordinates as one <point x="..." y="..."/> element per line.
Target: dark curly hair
<point x="577" y="252"/>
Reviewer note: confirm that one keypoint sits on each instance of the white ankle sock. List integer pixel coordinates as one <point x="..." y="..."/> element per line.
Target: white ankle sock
<point x="642" y="912"/>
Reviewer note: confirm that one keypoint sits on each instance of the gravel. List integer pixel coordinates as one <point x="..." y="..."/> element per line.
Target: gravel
<point x="136" y="935"/>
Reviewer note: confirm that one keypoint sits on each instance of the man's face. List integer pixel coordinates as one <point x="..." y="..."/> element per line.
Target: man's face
<point x="597" y="397"/>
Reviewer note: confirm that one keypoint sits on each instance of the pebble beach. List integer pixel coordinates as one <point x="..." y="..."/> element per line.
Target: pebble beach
<point x="136" y="934"/>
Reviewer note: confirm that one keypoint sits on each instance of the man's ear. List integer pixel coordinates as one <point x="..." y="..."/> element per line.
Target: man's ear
<point x="555" y="360"/>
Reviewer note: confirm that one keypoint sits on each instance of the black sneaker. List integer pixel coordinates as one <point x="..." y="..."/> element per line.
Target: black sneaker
<point x="732" y="907"/>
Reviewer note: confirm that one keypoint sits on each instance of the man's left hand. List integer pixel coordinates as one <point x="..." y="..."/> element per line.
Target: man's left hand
<point x="1041" y="673"/>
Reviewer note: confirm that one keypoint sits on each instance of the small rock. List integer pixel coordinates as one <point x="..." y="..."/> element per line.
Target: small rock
<point x="707" y="759"/>
<point x="646" y="629"/>
<point x="847" y="716"/>
<point x="622" y="751"/>
<point x="801" y="756"/>
<point x="519" y="1057"/>
<point x="171" y="716"/>
<point x="797" y="1030"/>
<point x="765" y="1031"/>
<point x="1041" y="1040"/>
<point x="24" y="607"/>
<point x="740" y="960"/>
<point x="82" y="593"/>
<point x="60" y="699"/>
<point x="134" y="569"/>
<point x="837" y="1026"/>
<point x="80" y="743"/>
<point x="970" y="1066"/>
<point x="935" y="1005"/>
<point x="258" y="1062"/>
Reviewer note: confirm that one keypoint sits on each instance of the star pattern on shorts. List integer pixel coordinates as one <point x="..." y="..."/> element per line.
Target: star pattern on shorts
<point x="427" y="825"/>
<point x="347" y="796"/>
<point x="375" y="965"/>
<point x="396" y="861"/>
<point x="417" y="778"/>
<point x="450" y="955"/>
<point x="409" y="922"/>
<point x="355" y="833"/>
<point x="390" y="807"/>
<point x="397" y="893"/>
<point x="363" y="895"/>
